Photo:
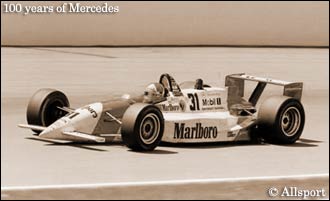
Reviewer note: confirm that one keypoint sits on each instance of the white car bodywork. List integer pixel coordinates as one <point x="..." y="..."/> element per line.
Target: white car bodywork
<point x="203" y="117"/>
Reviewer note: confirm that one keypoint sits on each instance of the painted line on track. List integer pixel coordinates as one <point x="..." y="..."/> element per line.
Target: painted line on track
<point x="165" y="182"/>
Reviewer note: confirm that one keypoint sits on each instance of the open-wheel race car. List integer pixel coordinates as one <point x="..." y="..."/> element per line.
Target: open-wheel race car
<point x="192" y="112"/>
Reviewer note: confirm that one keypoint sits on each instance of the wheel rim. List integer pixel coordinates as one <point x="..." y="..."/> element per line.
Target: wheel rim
<point x="290" y="122"/>
<point x="149" y="128"/>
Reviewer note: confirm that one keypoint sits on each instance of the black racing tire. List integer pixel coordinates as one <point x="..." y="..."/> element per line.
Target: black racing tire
<point x="42" y="108"/>
<point x="281" y="120"/>
<point x="142" y="127"/>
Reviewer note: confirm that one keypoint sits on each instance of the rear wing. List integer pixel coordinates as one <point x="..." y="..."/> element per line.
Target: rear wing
<point x="235" y="84"/>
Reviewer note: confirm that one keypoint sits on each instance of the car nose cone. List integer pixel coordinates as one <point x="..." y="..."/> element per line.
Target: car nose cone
<point x="54" y="131"/>
<point x="50" y="133"/>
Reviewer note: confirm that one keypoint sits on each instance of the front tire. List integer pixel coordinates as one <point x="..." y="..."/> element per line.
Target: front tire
<point x="43" y="108"/>
<point x="281" y="120"/>
<point x="142" y="127"/>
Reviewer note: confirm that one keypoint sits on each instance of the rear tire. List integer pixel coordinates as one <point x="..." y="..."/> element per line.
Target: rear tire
<point x="142" y="127"/>
<point x="42" y="108"/>
<point x="281" y="120"/>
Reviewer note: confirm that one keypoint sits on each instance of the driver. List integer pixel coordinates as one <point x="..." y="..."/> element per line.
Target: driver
<point x="154" y="93"/>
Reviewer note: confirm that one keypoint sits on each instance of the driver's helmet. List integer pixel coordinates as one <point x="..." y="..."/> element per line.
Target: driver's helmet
<point x="154" y="93"/>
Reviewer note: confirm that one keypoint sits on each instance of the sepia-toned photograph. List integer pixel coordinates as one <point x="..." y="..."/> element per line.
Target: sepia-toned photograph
<point x="181" y="100"/>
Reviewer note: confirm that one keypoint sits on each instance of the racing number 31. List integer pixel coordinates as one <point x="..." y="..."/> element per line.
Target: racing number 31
<point x="194" y="101"/>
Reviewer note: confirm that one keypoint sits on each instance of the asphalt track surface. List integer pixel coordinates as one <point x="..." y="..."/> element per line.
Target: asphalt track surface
<point x="87" y="75"/>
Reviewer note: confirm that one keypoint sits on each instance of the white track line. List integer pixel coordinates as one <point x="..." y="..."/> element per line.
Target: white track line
<point x="166" y="182"/>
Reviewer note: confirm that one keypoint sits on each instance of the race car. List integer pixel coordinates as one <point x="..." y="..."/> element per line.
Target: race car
<point x="192" y="112"/>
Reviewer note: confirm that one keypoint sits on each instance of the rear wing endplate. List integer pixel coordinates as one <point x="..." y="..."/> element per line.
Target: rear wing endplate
<point x="235" y="84"/>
